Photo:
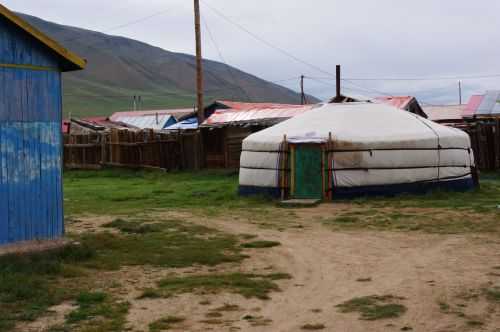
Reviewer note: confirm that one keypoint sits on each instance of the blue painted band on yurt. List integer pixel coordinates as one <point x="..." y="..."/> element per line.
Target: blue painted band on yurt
<point x="461" y="184"/>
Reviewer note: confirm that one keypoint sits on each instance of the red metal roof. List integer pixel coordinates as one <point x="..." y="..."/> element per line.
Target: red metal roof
<point x="251" y="112"/>
<point x="236" y="105"/>
<point x="176" y="113"/>
<point x="472" y="106"/>
<point x="65" y="126"/>
<point x="400" y="102"/>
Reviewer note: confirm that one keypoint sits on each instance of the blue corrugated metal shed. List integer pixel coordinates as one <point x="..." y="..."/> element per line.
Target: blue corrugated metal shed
<point x="30" y="140"/>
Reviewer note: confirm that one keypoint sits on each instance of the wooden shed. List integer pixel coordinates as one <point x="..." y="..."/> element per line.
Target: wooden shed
<point x="230" y="122"/>
<point x="31" y="203"/>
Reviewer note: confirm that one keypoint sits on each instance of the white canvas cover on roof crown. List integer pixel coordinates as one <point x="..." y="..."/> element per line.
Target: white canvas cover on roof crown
<point x="373" y="145"/>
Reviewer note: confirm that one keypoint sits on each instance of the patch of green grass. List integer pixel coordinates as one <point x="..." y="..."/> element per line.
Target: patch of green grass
<point x="444" y="307"/>
<point x="165" y="323"/>
<point x="121" y="191"/>
<point x="473" y="322"/>
<point x="374" y="307"/>
<point x="247" y="285"/>
<point x="30" y="283"/>
<point x="89" y="305"/>
<point x="261" y="244"/>
<point x="493" y="294"/>
<point x="483" y="200"/>
<point x="97" y="312"/>
<point x="173" y="244"/>
<point x="442" y="221"/>
<point x="313" y="327"/>
<point x="133" y="227"/>
<point x="228" y="308"/>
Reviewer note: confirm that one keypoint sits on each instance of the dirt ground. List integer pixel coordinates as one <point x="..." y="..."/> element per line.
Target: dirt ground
<point x="326" y="266"/>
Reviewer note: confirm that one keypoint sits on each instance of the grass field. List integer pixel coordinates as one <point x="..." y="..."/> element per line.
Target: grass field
<point x="134" y="235"/>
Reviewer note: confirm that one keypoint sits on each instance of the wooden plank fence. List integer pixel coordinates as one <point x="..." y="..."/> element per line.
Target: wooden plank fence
<point x="133" y="149"/>
<point x="184" y="151"/>
<point x="485" y="138"/>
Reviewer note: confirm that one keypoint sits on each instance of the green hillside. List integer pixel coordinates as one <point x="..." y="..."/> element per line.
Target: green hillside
<point x="120" y="68"/>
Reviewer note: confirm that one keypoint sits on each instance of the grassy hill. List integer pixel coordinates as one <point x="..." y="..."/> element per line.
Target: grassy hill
<point x="119" y="68"/>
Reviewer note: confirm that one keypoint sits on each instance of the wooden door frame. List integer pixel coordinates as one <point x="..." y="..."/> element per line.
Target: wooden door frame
<point x="292" y="151"/>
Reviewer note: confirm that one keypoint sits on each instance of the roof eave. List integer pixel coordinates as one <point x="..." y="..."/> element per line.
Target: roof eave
<point x="72" y="61"/>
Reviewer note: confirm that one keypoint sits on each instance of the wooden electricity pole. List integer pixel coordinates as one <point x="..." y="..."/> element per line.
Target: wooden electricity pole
<point x="303" y="99"/>
<point x="337" y="83"/>
<point x="199" y="64"/>
<point x="460" y="92"/>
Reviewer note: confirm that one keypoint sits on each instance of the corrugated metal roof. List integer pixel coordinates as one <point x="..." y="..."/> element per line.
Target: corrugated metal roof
<point x="445" y="113"/>
<point x="400" y="102"/>
<point x="488" y="105"/>
<point x="472" y="105"/>
<point x="176" y="113"/>
<point x="484" y="105"/>
<point x="246" y="113"/>
<point x="148" y="122"/>
<point x="236" y="105"/>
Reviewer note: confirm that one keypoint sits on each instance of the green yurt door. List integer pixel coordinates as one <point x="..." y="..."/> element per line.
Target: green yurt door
<point x="308" y="172"/>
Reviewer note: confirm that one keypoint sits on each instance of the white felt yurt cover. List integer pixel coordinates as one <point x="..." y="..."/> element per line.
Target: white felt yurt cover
<point x="374" y="145"/>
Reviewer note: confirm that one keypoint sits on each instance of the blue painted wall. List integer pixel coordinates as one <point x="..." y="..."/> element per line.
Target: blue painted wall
<point x="30" y="140"/>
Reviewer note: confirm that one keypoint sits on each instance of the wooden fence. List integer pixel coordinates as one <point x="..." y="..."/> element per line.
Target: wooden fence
<point x="133" y="149"/>
<point x="184" y="151"/>
<point x="485" y="137"/>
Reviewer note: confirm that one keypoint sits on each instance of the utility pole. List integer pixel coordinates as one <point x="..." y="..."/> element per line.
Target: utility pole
<point x="460" y="92"/>
<point x="337" y="79"/>
<point x="303" y="99"/>
<point x="199" y="64"/>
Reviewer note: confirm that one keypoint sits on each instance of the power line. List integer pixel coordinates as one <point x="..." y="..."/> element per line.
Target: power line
<point x="368" y="89"/>
<point x="464" y="77"/>
<point x="269" y="44"/>
<point x="216" y="46"/>
<point x="124" y="25"/>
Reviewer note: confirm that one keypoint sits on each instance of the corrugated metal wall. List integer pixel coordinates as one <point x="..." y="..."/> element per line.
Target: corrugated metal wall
<point x="30" y="140"/>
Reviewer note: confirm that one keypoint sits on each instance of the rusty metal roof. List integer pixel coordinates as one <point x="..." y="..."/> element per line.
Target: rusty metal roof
<point x="400" y="102"/>
<point x="243" y="113"/>
<point x="236" y="105"/>
<point x="445" y="113"/>
<point x="472" y="106"/>
<point x="176" y="113"/>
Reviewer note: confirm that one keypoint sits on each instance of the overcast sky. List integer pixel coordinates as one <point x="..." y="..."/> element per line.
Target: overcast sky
<point x="370" y="39"/>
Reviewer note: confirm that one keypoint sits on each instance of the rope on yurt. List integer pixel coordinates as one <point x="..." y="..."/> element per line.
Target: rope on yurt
<point x="438" y="146"/>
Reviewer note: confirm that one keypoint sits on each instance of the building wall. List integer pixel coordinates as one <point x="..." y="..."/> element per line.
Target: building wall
<point x="30" y="139"/>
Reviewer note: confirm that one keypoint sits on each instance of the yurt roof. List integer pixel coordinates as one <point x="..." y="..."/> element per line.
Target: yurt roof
<point x="359" y="126"/>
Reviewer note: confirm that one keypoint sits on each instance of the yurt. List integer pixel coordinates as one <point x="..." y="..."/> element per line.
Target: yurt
<point x="355" y="149"/>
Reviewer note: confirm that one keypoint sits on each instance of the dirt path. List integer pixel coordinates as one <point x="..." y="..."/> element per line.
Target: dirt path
<point x="325" y="265"/>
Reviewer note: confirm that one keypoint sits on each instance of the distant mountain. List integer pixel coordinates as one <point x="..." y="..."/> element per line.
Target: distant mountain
<point x="119" y="68"/>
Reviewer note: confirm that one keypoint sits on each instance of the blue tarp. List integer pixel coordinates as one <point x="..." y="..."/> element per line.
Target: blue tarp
<point x="191" y="123"/>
